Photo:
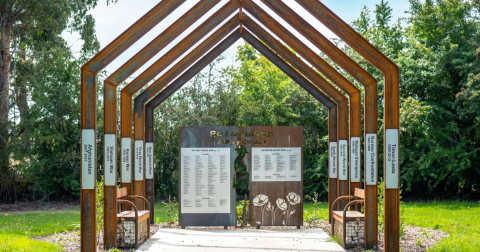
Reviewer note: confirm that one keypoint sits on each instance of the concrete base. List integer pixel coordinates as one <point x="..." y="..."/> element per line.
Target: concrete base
<point x="251" y="240"/>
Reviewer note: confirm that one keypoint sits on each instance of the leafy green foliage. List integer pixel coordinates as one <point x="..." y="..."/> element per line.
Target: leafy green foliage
<point x="41" y="106"/>
<point x="313" y="215"/>
<point x="242" y="177"/>
<point x="436" y="49"/>
<point x="171" y="210"/>
<point x="242" y="204"/>
<point x="100" y="204"/>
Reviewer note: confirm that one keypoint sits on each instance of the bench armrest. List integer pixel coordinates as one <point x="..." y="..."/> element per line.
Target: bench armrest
<point x="132" y="205"/>
<point x="349" y="204"/>
<point x="339" y="198"/>
<point x="140" y="197"/>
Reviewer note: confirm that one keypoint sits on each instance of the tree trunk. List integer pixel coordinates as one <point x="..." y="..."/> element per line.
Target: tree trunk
<point x="20" y="87"/>
<point x="6" y="176"/>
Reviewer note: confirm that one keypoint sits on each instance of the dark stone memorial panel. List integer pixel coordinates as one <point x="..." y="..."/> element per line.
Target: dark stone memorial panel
<point x="206" y="194"/>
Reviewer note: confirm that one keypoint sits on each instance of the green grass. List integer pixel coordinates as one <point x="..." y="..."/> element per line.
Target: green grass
<point x="322" y="211"/>
<point x="39" y="224"/>
<point x="14" y="243"/>
<point x="160" y="214"/>
<point x="458" y="218"/>
<point x="16" y="228"/>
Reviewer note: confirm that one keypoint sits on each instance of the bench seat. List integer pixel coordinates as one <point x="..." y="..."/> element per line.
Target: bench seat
<point x="130" y="215"/>
<point x="338" y="215"/>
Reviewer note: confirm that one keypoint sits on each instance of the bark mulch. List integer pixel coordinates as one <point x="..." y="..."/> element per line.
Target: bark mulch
<point x="415" y="239"/>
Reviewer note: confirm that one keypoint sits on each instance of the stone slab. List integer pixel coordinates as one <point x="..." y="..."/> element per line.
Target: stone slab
<point x="199" y="137"/>
<point x="240" y="240"/>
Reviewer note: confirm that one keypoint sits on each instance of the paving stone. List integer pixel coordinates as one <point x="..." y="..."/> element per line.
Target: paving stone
<point x="240" y="240"/>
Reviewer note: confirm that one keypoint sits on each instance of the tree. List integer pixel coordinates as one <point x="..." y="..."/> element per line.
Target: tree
<point x="32" y="29"/>
<point x="436" y="51"/>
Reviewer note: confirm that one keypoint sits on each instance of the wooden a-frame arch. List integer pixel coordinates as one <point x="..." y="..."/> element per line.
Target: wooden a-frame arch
<point x="194" y="55"/>
<point x="156" y="15"/>
<point x="207" y="59"/>
<point x="162" y="82"/>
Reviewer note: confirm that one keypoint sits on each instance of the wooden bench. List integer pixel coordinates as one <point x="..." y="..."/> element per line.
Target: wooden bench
<point x="349" y="226"/>
<point x="127" y="219"/>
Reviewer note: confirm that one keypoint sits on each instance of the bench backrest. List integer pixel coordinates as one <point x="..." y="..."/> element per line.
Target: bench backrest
<point x="122" y="192"/>
<point x="359" y="193"/>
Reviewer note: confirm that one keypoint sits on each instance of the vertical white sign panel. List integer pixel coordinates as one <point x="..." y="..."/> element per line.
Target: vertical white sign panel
<point x="126" y="159"/>
<point x="343" y="160"/>
<point x="110" y="159"/>
<point x="355" y="159"/>
<point x="332" y="159"/>
<point x="138" y="160"/>
<point x="88" y="159"/>
<point x="371" y="159"/>
<point x="391" y="160"/>
<point x="149" y="160"/>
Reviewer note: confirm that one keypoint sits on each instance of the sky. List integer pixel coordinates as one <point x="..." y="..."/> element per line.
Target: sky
<point x="113" y="19"/>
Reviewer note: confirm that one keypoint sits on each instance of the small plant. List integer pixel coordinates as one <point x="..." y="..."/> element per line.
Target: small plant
<point x="240" y="207"/>
<point x="170" y="211"/>
<point x="402" y="213"/>
<point x="100" y="195"/>
<point x="310" y="218"/>
<point x="418" y="242"/>
<point x="113" y="250"/>
<point x="381" y="204"/>
<point x="426" y="233"/>
<point x="335" y="239"/>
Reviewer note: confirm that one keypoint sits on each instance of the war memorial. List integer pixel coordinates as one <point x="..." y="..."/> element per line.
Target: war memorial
<point x="274" y="159"/>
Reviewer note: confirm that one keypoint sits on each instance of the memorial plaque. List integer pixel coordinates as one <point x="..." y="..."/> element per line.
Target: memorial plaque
<point x="138" y="160"/>
<point x="88" y="159"/>
<point x="391" y="161"/>
<point x="342" y="160"/>
<point x="371" y="159"/>
<point x="206" y="194"/>
<point x="110" y="159"/>
<point x="205" y="180"/>
<point x="332" y="159"/>
<point x="126" y="158"/>
<point x="149" y="172"/>
<point x="355" y="159"/>
<point x="277" y="164"/>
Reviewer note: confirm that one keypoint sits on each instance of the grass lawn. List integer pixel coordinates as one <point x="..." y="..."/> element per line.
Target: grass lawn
<point x="16" y="228"/>
<point x="458" y="218"/>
